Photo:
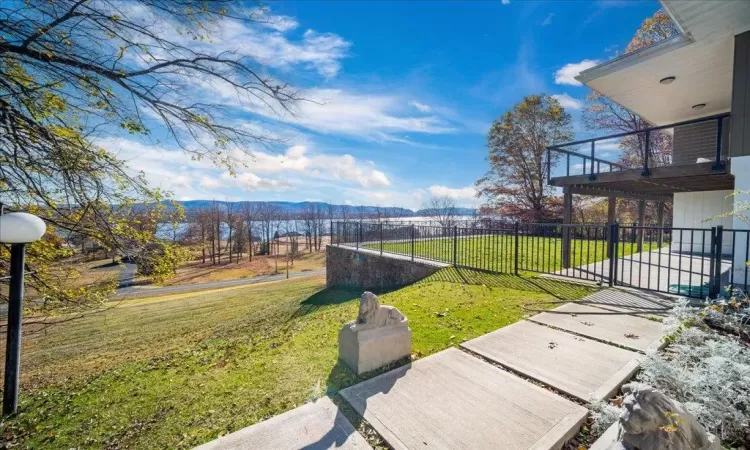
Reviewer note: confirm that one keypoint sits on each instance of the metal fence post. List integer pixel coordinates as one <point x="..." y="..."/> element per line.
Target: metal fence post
<point x="715" y="289"/>
<point x="515" y="250"/>
<point x="412" y="242"/>
<point x="381" y="238"/>
<point x="357" y="232"/>
<point x="718" y="164"/>
<point x="612" y="251"/>
<point x="455" y="244"/>
<point x="647" y="155"/>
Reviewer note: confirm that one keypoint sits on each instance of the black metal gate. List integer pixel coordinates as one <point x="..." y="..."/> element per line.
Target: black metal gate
<point x="694" y="262"/>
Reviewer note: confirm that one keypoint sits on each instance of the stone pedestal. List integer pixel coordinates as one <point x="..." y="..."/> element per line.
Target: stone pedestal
<point x="364" y="350"/>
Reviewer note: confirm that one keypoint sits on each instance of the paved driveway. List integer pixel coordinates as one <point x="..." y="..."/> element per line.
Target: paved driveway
<point x="137" y="291"/>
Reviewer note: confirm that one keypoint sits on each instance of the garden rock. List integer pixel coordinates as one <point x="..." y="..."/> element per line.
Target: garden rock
<point x="379" y="336"/>
<point x="651" y="420"/>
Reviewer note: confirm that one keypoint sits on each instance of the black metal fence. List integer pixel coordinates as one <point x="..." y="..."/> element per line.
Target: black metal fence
<point x="695" y="262"/>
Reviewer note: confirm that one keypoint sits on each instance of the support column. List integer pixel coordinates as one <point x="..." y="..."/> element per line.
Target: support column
<point x="641" y="222"/>
<point x="567" y="220"/>
<point x="660" y="224"/>
<point x="739" y="147"/>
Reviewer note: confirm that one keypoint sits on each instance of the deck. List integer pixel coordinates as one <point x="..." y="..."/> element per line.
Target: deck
<point x="659" y="185"/>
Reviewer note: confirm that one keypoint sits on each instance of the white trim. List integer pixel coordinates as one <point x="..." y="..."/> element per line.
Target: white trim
<point x="634" y="58"/>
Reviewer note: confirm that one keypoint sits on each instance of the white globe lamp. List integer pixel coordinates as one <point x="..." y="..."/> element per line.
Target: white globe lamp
<point x="16" y="229"/>
<point x="21" y="228"/>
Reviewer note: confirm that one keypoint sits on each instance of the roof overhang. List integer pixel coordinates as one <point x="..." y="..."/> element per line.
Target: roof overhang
<point x="701" y="60"/>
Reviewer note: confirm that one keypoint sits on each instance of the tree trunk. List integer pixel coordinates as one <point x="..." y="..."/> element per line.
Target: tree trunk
<point x="218" y="242"/>
<point x="229" y="244"/>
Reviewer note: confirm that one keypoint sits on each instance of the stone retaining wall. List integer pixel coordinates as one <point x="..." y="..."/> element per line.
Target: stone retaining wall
<point x="368" y="270"/>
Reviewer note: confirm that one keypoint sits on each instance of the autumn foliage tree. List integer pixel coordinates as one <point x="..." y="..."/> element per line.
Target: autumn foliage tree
<point x="516" y="184"/>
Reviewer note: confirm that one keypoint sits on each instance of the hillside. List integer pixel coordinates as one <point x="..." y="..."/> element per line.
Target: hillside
<point x="298" y="207"/>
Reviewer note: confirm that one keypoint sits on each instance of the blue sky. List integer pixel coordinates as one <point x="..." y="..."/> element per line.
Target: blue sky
<point x="406" y="92"/>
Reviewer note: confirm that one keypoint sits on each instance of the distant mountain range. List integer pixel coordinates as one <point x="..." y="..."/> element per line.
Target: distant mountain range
<point x="298" y="207"/>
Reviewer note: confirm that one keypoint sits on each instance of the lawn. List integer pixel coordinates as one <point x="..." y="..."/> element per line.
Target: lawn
<point x="176" y="371"/>
<point x="497" y="252"/>
<point x="196" y="272"/>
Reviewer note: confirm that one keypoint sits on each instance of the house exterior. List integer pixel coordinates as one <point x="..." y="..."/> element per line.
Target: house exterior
<point x="695" y="89"/>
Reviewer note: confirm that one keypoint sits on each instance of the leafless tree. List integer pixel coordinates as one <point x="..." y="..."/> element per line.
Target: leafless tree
<point x="230" y="215"/>
<point x="442" y="210"/>
<point x="267" y="217"/>
<point x="344" y="213"/>
<point x="247" y="212"/>
<point x="361" y="213"/>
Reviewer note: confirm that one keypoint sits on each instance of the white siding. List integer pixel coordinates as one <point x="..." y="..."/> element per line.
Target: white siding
<point x="700" y="210"/>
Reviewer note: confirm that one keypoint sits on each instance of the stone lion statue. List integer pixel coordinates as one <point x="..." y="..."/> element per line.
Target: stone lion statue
<point x="651" y="420"/>
<point x="372" y="314"/>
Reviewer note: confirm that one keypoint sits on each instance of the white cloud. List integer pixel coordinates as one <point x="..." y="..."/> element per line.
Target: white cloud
<point x="465" y="193"/>
<point x="263" y="39"/>
<point x="210" y="183"/>
<point x="567" y="74"/>
<point x="609" y="144"/>
<point x="173" y="170"/>
<point x="366" y="116"/>
<point x="567" y="101"/>
<point x="548" y="19"/>
<point x="505" y="2"/>
<point x="371" y="115"/>
<point x="274" y="21"/>
<point x="249" y="181"/>
<point x="321" y="52"/>
<point x="421" y="106"/>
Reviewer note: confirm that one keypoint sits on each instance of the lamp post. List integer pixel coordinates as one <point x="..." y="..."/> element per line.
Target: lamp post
<point x="16" y="229"/>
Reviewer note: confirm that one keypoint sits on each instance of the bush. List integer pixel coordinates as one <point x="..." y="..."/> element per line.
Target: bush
<point x="707" y="371"/>
<point x="159" y="260"/>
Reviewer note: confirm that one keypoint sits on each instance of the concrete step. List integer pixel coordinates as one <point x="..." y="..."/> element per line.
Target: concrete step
<point x="577" y="366"/>
<point x="313" y="426"/>
<point x="634" y="333"/>
<point x="452" y="400"/>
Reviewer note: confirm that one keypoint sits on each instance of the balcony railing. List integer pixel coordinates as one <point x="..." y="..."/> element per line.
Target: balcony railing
<point x="643" y="149"/>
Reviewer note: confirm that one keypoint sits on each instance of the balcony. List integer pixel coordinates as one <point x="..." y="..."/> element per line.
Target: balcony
<point x="650" y="163"/>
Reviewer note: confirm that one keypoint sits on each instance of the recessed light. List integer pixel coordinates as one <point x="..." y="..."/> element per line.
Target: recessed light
<point x="699" y="106"/>
<point x="667" y="80"/>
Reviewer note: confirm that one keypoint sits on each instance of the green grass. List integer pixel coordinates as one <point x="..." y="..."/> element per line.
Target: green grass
<point x="180" y="370"/>
<point x="497" y="253"/>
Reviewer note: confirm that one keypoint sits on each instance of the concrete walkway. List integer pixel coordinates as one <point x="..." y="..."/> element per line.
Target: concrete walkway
<point x="452" y="400"/>
<point x="139" y="291"/>
<point x="580" y="367"/>
<point x="314" y="426"/>
<point x="499" y="390"/>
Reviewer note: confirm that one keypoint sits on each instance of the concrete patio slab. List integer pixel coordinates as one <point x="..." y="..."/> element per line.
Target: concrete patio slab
<point x="314" y="426"/>
<point x="646" y="303"/>
<point x="581" y="367"/>
<point x="629" y="331"/>
<point x="454" y="400"/>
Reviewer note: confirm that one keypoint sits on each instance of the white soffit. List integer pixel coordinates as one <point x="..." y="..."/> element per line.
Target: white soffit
<point x="703" y="74"/>
<point x="709" y="19"/>
<point x="701" y="60"/>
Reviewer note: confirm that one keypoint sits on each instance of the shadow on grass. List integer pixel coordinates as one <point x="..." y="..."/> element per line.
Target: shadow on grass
<point x="557" y="288"/>
<point x="333" y="296"/>
<point x="108" y="265"/>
